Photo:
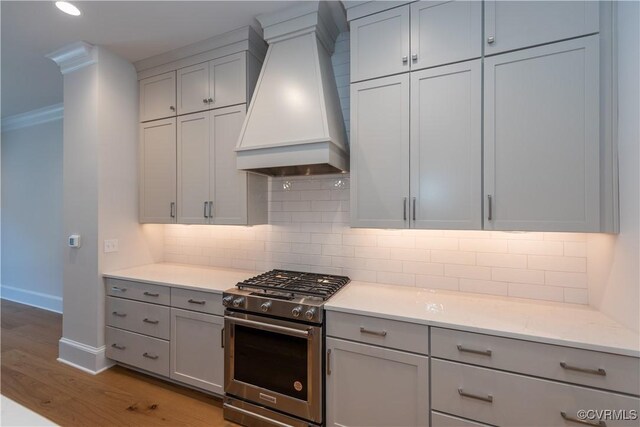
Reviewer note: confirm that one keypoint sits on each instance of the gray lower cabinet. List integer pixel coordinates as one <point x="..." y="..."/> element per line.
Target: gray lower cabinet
<point x="375" y="386"/>
<point x="197" y="349"/>
<point x="167" y="331"/>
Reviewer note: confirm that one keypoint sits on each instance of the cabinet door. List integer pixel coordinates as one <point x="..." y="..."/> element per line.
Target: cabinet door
<point x="446" y="147"/>
<point x="228" y="184"/>
<point x="541" y="141"/>
<point x="193" y="88"/>
<point x="193" y="168"/>
<point x="374" y="386"/>
<point x="380" y="44"/>
<point x="227" y="80"/>
<point x="513" y="25"/>
<point x="380" y="153"/>
<point x="443" y="32"/>
<point x="158" y="171"/>
<point x="197" y="353"/>
<point x="158" y="97"/>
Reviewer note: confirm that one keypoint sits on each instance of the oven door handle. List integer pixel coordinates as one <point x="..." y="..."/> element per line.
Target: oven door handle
<point x="271" y="328"/>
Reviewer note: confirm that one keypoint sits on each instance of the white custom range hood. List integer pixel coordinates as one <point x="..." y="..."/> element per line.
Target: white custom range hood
<point x="294" y="125"/>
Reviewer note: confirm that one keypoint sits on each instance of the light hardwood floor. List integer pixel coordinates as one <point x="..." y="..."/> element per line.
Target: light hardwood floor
<point x="33" y="377"/>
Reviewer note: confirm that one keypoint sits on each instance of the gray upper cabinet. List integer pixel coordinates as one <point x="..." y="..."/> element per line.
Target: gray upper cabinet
<point x="380" y="152"/>
<point x="415" y="36"/>
<point x="158" y="171"/>
<point x="158" y="97"/>
<point x="541" y="138"/>
<point x="193" y="88"/>
<point x="211" y="190"/>
<point x="380" y="44"/>
<point x="511" y="25"/>
<point x="443" y="32"/>
<point x="193" y="168"/>
<point x="446" y="147"/>
<point x="214" y="84"/>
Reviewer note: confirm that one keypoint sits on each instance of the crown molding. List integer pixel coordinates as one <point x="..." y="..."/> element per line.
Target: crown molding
<point x="33" y="117"/>
<point x="74" y="56"/>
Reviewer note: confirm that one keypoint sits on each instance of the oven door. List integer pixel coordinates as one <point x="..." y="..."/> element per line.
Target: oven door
<point x="274" y="363"/>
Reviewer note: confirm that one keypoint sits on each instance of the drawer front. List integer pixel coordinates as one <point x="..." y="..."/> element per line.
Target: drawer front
<point x="139" y="291"/>
<point x="590" y="368"/>
<point x="444" y="420"/>
<point x="383" y="332"/>
<point x="148" y="319"/>
<point x="150" y="354"/>
<point x="501" y="398"/>
<point x="205" y="302"/>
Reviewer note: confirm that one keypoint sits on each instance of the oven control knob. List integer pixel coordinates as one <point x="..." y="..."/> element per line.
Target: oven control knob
<point x="238" y="302"/>
<point x="297" y="311"/>
<point x="226" y="301"/>
<point x="265" y="306"/>
<point x="310" y="313"/>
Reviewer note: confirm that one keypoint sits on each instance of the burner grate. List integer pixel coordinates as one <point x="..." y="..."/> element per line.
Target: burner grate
<point x="297" y="283"/>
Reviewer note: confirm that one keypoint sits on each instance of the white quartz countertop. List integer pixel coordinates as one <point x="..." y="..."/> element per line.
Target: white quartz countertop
<point x="552" y="323"/>
<point x="214" y="280"/>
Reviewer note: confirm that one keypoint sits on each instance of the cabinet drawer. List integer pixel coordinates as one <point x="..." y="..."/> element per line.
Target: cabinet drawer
<point x="138" y="291"/>
<point x="148" y="319"/>
<point x="205" y="302"/>
<point x="382" y="332"/>
<point x="617" y="373"/>
<point x="501" y="398"/>
<point x="150" y="354"/>
<point x="444" y="420"/>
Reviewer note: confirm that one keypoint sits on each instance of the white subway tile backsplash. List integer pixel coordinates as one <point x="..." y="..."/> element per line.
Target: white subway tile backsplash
<point x="309" y="230"/>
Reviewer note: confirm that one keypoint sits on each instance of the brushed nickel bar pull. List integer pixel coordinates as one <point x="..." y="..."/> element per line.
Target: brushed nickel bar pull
<point x="414" y="208"/>
<point x="404" y="209"/>
<point x="329" y="362"/>
<point x="195" y="301"/>
<point x="115" y="313"/>
<point x="471" y="350"/>
<point x="598" y="371"/>
<point x="222" y="338"/>
<point x="487" y="398"/>
<point x="153" y="322"/>
<point x="363" y="330"/>
<point x="149" y="356"/>
<point x="569" y="418"/>
<point x="490" y="207"/>
<point x="206" y="205"/>
<point x="149" y="294"/>
<point x="210" y="208"/>
<point x="119" y="347"/>
<point x="117" y="289"/>
<point x="172" y="211"/>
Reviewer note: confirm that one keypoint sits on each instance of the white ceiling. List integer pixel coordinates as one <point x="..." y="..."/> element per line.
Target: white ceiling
<point x="132" y="29"/>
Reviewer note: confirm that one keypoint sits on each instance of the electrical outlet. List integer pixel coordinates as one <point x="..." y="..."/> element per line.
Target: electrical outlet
<point x="111" y="245"/>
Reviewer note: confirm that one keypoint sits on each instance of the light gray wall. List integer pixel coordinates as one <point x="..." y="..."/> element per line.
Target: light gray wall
<point x="614" y="260"/>
<point x="32" y="217"/>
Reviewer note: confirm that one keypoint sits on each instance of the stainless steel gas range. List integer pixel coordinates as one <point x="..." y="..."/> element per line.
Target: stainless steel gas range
<point x="274" y="352"/>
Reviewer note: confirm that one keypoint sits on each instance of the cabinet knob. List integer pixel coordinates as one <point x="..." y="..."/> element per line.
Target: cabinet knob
<point x="405" y="59"/>
<point x="210" y="100"/>
<point x="205" y="100"/>
<point x="491" y="39"/>
<point x="414" y="56"/>
<point x="172" y="108"/>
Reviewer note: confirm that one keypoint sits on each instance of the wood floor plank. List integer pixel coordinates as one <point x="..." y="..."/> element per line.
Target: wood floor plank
<point x="33" y="377"/>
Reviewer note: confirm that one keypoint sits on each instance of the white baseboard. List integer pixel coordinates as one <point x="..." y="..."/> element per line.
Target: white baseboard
<point x="32" y="298"/>
<point x="84" y="357"/>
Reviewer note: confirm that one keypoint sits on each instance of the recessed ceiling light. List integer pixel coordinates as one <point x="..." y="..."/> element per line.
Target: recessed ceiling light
<point x="68" y="8"/>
